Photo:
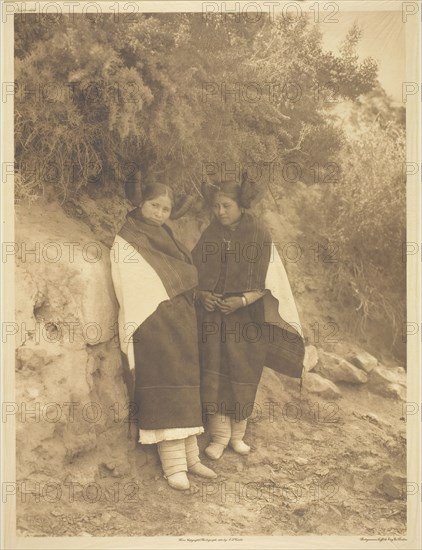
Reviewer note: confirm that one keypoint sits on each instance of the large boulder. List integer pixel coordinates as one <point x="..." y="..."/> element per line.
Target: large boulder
<point x="315" y="384"/>
<point x="335" y="368"/>
<point x="363" y="360"/>
<point x="71" y="399"/>
<point x="388" y="382"/>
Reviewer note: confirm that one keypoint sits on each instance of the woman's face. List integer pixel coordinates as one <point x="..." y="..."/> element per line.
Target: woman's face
<point x="225" y="209"/>
<point x="156" y="211"/>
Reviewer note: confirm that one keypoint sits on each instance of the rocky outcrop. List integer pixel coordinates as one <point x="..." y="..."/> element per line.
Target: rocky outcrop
<point x="363" y="360"/>
<point x="361" y="368"/>
<point x="388" y="382"/>
<point x="315" y="384"/>
<point x="337" y="369"/>
<point x="71" y="399"/>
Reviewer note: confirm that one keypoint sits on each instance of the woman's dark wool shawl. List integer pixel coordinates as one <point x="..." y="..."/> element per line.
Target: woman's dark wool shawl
<point x="285" y="349"/>
<point x="168" y="257"/>
<point x="247" y="259"/>
<point x="167" y="375"/>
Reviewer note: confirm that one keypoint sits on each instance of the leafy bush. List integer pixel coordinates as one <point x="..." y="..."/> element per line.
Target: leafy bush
<point x="133" y="97"/>
<point x="366" y="218"/>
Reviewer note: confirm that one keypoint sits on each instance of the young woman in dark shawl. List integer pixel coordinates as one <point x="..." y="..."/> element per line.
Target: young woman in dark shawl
<point x="154" y="280"/>
<point x="247" y="315"/>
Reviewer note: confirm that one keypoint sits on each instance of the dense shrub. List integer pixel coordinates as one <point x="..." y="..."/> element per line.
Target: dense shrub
<point x="366" y="217"/>
<point x="149" y="94"/>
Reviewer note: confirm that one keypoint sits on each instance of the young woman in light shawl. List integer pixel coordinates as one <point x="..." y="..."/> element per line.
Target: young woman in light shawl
<point x="247" y="315"/>
<point x="154" y="280"/>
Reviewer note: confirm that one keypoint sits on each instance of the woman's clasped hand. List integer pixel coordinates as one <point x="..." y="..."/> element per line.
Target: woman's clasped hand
<point x="210" y="301"/>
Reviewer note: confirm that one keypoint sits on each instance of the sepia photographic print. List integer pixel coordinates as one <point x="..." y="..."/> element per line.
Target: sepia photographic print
<point x="210" y="270"/>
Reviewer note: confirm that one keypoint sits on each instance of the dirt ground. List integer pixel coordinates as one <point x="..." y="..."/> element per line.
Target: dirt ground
<point x="315" y="468"/>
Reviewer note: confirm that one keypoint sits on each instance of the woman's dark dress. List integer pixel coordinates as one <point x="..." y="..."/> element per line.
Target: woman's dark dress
<point x="234" y="348"/>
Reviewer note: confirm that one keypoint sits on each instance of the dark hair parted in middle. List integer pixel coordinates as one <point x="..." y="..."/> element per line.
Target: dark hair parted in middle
<point x="244" y="193"/>
<point x="138" y="194"/>
<point x="153" y="190"/>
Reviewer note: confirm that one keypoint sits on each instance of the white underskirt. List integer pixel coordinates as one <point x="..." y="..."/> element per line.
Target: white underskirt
<point x="148" y="437"/>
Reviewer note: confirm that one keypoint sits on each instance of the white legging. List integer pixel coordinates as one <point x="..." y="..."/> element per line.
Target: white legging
<point x="224" y="429"/>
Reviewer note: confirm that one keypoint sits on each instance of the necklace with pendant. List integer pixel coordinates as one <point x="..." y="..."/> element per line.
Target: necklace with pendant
<point x="227" y="232"/>
<point x="228" y="240"/>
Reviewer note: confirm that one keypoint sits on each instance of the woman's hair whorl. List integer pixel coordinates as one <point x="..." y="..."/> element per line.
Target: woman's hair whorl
<point x="208" y="191"/>
<point x="182" y="205"/>
<point x="133" y="189"/>
<point x="251" y="190"/>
